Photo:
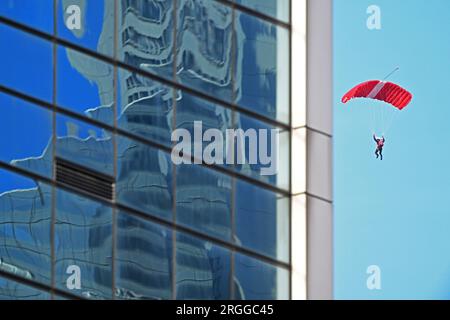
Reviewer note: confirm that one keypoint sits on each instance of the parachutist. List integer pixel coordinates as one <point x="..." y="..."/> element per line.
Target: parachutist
<point x="381" y="90"/>
<point x="380" y="145"/>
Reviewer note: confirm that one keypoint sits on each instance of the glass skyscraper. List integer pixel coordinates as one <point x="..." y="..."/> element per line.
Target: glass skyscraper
<point x="91" y="204"/>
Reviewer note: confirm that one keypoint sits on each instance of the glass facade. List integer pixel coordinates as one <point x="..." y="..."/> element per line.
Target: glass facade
<point x="107" y="82"/>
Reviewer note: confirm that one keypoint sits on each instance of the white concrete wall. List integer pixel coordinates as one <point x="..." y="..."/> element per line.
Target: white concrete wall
<point x="319" y="115"/>
<point x="311" y="158"/>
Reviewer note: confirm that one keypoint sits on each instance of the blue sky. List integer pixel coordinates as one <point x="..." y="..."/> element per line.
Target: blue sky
<point x="393" y="213"/>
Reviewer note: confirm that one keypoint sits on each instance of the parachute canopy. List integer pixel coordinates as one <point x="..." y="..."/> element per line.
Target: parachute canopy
<point x="380" y="90"/>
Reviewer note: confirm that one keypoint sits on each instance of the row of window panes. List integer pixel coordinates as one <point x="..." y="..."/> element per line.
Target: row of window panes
<point x="143" y="255"/>
<point x="145" y="107"/>
<point x="246" y="62"/>
<point x="145" y="176"/>
<point x="40" y="14"/>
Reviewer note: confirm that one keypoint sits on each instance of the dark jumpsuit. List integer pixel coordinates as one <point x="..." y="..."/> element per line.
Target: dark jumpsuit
<point x="380" y="145"/>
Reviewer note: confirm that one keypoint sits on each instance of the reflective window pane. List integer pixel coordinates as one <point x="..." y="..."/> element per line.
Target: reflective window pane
<point x="36" y="14"/>
<point x="204" y="47"/>
<point x="195" y="116"/>
<point x="203" y="270"/>
<point x="25" y="217"/>
<point x="26" y="55"/>
<point x="278" y="9"/>
<point x="26" y="135"/>
<point x="144" y="178"/>
<point x="204" y="200"/>
<point x="266" y="150"/>
<point x="268" y="214"/>
<point x="262" y="70"/>
<point x="87" y="23"/>
<point x="143" y="259"/>
<point x="83" y="246"/>
<point x="257" y="280"/>
<point x="84" y="144"/>
<point x="145" y="38"/>
<point x="85" y="85"/>
<point x="260" y="150"/>
<point x="10" y="290"/>
<point x="145" y="107"/>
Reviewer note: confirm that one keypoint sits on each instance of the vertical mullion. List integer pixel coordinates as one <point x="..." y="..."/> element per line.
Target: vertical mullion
<point x="290" y="150"/>
<point x="233" y="124"/>
<point x="174" y="169"/>
<point x="114" y="140"/>
<point x="53" y="192"/>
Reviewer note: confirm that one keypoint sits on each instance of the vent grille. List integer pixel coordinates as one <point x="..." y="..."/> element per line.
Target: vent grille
<point x="84" y="179"/>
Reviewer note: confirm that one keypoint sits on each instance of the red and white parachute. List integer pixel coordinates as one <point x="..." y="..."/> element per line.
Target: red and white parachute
<point x="390" y="93"/>
<point x="380" y="90"/>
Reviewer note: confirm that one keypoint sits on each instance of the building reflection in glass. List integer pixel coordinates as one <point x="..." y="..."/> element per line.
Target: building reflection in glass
<point x="83" y="238"/>
<point x="25" y="216"/>
<point x="203" y="269"/>
<point x="144" y="180"/>
<point x="144" y="259"/>
<point x="205" y="47"/>
<point x="10" y="290"/>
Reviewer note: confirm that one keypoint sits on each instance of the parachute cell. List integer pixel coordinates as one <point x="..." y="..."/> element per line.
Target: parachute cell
<point x="380" y="90"/>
